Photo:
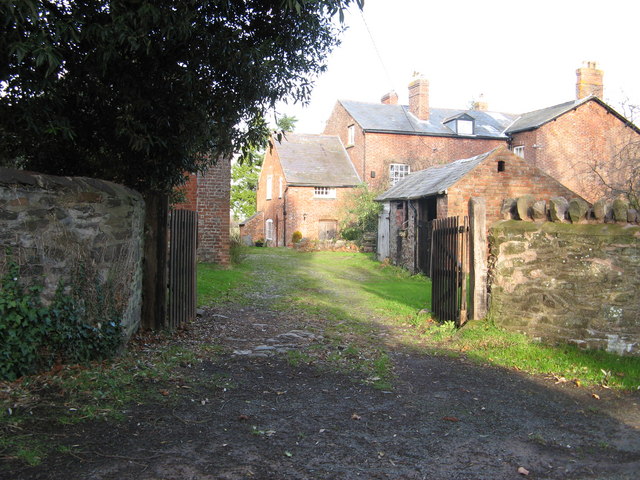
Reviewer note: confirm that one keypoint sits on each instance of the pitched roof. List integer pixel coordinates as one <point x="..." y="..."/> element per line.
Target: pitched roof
<point x="315" y="160"/>
<point x="383" y="118"/>
<point x="537" y="118"/>
<point x="432" y="181"/>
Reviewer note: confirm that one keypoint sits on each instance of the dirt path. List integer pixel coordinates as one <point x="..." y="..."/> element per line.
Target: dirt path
<point x="272" y="406"/>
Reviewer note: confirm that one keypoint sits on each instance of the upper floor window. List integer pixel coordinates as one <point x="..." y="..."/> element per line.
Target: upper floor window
<point x="351" y="135"/>
<point x="281" y="187"/>
<point x="465" y="127"/>
<point x="519" y="151"/>
<point x="398" y="171"/>
<point x="462" y="124"/>
<point x="324" y="192"/>
<point x="269" y="187"/>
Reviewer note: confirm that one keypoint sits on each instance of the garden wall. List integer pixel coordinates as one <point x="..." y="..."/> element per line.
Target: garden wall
<point x="85" y="233"/>
<point x="568" y="282"/>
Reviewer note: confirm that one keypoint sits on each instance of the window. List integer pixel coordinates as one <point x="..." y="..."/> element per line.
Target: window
<point x="324" y="192"/>
<point x="398" y="171"/>
<point x="269" y="186"/>
<point x="465" y="127"/>
<point x="501" y="165"/>
<point x="351" y="135"/>
<point x="519" y="151"/>
<point x="280" y="187"/>
<point x="268" y="230"/>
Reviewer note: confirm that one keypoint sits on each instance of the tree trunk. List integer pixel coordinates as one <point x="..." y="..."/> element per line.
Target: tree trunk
<point x="154" y="282"/>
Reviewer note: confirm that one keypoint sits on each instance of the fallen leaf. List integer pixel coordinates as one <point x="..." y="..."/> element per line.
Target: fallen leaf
<point x="288" y="454"/>
<point x="243" y="417"/>
<point x="451" y="419"/>
<point x="560" y="379"/>
<point x="164" y="392"/>
<point x="523" y="471"/>
<point x="355" y="416"/>
<point x="596" y="396"/>
<point x="577" y="382"/>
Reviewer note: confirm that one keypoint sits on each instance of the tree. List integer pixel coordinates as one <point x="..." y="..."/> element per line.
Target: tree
<point x="245" y="173"/>
<point x="142" y="91"/>
<point x="360" y="214"/>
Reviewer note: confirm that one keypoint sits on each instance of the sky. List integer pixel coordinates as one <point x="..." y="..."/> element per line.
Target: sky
<point x="520" y="55"/>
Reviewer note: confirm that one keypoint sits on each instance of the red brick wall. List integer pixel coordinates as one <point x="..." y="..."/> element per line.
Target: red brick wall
<point x="272" y="209"/>
<point x="253" y="228"/>
<point x="374" y="152"/>
<point x="568" y="146"/>
<point x="190" y="192"/>
<point x="304" y="211"/>
<point x="214" y="189"/>
<point x="519" y="178"/>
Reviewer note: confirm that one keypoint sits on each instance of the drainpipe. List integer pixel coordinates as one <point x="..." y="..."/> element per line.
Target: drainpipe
<point x="415" y="236"/>
<point x="284" y="217"/>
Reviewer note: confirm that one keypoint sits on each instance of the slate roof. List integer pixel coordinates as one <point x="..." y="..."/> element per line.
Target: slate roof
<point x="316" y="160"/>
<point x="537" y="118"/>
<point x="382" y="118"/>
<point x="432" y="181"/>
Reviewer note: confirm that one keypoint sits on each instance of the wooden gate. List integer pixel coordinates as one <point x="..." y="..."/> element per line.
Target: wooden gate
<point x="449" y="268"/>
<point x="183" y="230"/>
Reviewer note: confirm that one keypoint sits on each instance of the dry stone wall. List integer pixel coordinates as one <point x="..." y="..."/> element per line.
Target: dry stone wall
<point x="70" y="230"/>
<point x="574" y="283"/>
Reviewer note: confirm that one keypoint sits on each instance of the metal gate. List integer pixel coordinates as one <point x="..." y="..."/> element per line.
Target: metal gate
<point x="183" y="231"/>
<point x="449" y="268"/>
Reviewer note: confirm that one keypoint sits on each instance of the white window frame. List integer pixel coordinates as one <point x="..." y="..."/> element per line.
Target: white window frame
<point x="351" y="135"/>
<point x="519" y="151"/>
<point x="269" y="187"/>
<point x="280" y="187"/>
<point x="324" y="192"/>
<point x="268" y="229"/>
<point x="464" y="127"/>
<point x="397" y="171"/>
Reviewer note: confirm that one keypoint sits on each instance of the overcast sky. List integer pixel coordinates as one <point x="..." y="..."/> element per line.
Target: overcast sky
<point x="520" y="55"/>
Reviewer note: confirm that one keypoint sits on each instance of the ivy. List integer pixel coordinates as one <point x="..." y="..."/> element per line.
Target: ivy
<point x="81" y="324"/>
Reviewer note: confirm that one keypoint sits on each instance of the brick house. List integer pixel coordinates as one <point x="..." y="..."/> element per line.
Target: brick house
<point x="388" y="141"/>
<point x="445" y="190"/>
<point x="303" y="185"/>
<point x="208" y="194"/>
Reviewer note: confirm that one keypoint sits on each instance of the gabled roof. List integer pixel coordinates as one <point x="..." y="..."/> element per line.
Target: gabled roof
<point x="383" y="118"/>
<point x="432" y="181"/>
<point x="315" y="160"/>
<point x="537" y="118"/>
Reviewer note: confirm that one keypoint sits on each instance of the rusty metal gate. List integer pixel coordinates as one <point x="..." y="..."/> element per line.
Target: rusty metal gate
<point x="449" y="268"/>
<point x="183" y="231"/>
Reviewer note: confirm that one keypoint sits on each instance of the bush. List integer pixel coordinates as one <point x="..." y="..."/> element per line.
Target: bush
<point x="236" y="249"/>
<point x="360" y="215"/>
<point x="296" y="237"/>
<point x="259" y="242"/>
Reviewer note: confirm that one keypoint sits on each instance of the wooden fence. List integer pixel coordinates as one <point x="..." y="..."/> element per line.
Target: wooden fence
<point x="449" y="268"/>
<point x="182" y="267"/>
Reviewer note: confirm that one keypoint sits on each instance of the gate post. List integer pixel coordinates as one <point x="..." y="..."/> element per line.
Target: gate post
<point x="478" y="227"/>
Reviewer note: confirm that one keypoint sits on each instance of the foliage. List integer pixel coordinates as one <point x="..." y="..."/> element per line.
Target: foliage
<point x="137" y="91"/>
<point x="24" y="324"/>
<point x="296" y="236"/>
<point x="236" y="249"/>
<point x="360" y="214"/>
<point x="246" y="172"/>
<point x="76" y="327"/>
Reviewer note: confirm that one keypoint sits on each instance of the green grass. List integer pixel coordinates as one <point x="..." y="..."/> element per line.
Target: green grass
<point x="217" y="284"/>
<point x="487" y="343"/>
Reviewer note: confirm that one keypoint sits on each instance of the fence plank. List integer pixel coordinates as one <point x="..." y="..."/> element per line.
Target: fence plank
<point x="182" y="267"/>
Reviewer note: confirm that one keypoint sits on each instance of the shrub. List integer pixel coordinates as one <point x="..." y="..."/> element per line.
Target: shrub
<point x="236" y="249"/>
<point x="360" y="214"/>
<point x="259" y="242"/>
<point x="296" y="237"/>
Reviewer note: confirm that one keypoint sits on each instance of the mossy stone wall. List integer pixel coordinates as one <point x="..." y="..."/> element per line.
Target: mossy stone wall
<point x="74" y="230"/>
<point x="568" y="283"/>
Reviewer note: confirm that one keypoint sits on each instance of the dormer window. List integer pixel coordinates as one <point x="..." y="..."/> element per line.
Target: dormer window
<point x="462" y="124"/>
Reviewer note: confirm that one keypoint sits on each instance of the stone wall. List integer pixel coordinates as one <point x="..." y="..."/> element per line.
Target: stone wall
<point x="574" y="283"/>
<point x="55" y="227"/>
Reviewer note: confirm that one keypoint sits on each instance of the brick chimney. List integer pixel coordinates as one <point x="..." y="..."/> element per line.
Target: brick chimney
<point x="481" y="104"/>
<point x="390" y="98"/>
<point x="419" y="97"/>
<point x="589" y="81"/>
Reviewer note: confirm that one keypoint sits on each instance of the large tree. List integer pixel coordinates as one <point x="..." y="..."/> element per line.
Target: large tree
<point x="136" y="91"/>
<point x="142" y="91"/>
